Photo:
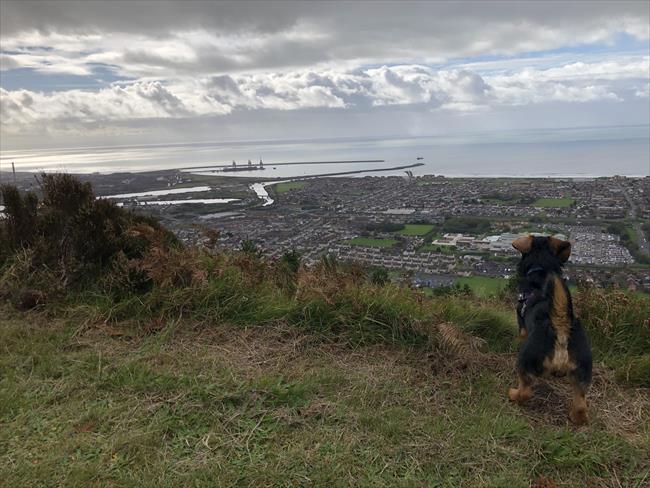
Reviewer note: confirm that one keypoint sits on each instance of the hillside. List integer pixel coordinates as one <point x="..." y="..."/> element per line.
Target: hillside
<point x="128" y="360"/>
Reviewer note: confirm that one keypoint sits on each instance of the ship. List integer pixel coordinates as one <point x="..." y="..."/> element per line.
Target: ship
<point x="248" y="167"/>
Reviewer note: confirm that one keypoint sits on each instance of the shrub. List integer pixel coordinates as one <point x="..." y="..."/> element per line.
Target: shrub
<point x="19" y="225"/>
<point x="71" y="237"/>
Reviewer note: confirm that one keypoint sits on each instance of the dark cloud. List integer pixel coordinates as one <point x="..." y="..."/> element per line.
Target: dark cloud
<point x="368" y="18"/>
<point x="144" y="16"/>
<point x="162" y="97"/>
<point x="224" y="83"/>
<point x="290" y="34"/>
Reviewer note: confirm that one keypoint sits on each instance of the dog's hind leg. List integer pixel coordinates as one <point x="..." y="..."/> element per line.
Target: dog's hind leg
<point x="580" y="351"/>
<point x="524" y="390"/>
<point x="578" y="410"/>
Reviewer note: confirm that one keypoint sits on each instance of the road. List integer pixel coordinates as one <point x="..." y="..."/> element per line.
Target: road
<point x="642" y="241"/>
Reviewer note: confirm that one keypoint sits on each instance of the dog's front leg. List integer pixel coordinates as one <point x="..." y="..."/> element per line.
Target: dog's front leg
<point x="524" y="390"/>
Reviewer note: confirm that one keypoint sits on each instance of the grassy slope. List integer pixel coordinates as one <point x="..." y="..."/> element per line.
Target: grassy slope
<point x="280" y="405"/>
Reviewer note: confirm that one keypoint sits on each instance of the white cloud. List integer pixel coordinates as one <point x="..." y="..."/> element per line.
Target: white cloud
<point x="451" y="89"/>
<point x="643" y="91"/>
<point x="574" y="82"/>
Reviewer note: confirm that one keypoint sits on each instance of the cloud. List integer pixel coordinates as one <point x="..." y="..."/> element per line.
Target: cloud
<point x="643" y="91"/>
<point x="147" y="64"/>
<point x="72" y="110"/>
<point x="8" y="62"/>
<point x="573" y="82"/>
<point x="156" y="39"/>
<point x="357" y="89"/>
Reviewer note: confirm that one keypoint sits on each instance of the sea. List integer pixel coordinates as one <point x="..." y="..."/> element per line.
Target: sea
<point x="570" y="153"/>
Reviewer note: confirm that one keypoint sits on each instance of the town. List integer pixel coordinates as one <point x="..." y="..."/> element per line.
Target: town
<point x="429" y="229"/>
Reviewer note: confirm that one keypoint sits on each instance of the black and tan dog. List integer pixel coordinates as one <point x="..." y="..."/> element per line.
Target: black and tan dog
<point x="554" y="341"/>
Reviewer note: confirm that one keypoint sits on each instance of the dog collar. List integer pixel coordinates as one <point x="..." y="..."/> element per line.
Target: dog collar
<point x="534" y="269"/>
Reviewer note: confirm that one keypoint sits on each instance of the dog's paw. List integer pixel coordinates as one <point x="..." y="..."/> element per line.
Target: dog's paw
<point x="578" y="416"/>
<point x="513" y="394"/>
<point x="519" y="395"/>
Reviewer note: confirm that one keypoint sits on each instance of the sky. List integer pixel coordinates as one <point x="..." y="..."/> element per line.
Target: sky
<point x="83" y="74"/>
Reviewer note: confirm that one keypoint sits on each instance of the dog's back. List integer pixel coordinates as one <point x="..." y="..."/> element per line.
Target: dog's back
<point x="554" y="341"/>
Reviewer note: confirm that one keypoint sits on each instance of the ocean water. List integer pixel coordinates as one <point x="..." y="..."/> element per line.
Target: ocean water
<point x="549" y="153"/>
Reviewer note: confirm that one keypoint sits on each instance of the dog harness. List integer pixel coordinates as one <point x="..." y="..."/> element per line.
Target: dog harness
<point x="527" y="297"/>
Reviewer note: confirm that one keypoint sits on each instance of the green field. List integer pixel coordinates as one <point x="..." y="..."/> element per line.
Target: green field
<point x="416" y="229"/>
<point x="496" y="201"/>
<point x="553" y="202"/>
<point x="370" y="242"/>
<point x="289" y="185"/>
<point x="483" y="286"/>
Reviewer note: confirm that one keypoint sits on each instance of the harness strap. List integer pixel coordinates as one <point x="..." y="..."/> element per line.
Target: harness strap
<point x="534" y="269"/>
<point x="527" y="297"/>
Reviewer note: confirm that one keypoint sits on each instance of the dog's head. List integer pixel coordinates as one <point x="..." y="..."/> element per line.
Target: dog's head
<point x="543" y="253"/>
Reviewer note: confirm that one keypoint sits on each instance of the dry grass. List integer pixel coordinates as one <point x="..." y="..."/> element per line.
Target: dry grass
<point x="278" y="405"/>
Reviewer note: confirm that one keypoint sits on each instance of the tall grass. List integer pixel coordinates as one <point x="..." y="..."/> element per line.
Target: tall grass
<point x="618" y="324"/>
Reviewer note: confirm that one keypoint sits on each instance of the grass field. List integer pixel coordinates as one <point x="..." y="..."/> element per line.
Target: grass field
<point x="483" y="286"/>
<point x="289" y="185"/>
<point x="370" y="242"/>
<point x="553" y="202"/>
<point x="416" y="229"/>
<point x="282" y="406"/>
<point x="497" y="201"/>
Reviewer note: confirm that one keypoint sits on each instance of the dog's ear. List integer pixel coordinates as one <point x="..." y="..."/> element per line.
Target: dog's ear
<point x="523" y="244"/>
<point x="562" y="249"/>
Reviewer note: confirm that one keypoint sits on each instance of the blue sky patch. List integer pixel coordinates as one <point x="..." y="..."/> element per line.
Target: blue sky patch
<point x="34" y="80"/>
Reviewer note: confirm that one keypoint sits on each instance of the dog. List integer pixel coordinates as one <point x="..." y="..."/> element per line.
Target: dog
<point x="553" y="339"/>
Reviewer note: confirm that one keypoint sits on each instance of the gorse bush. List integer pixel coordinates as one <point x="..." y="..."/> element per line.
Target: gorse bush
<point x="68" y="238"/>
<point x="19" y="224"/>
